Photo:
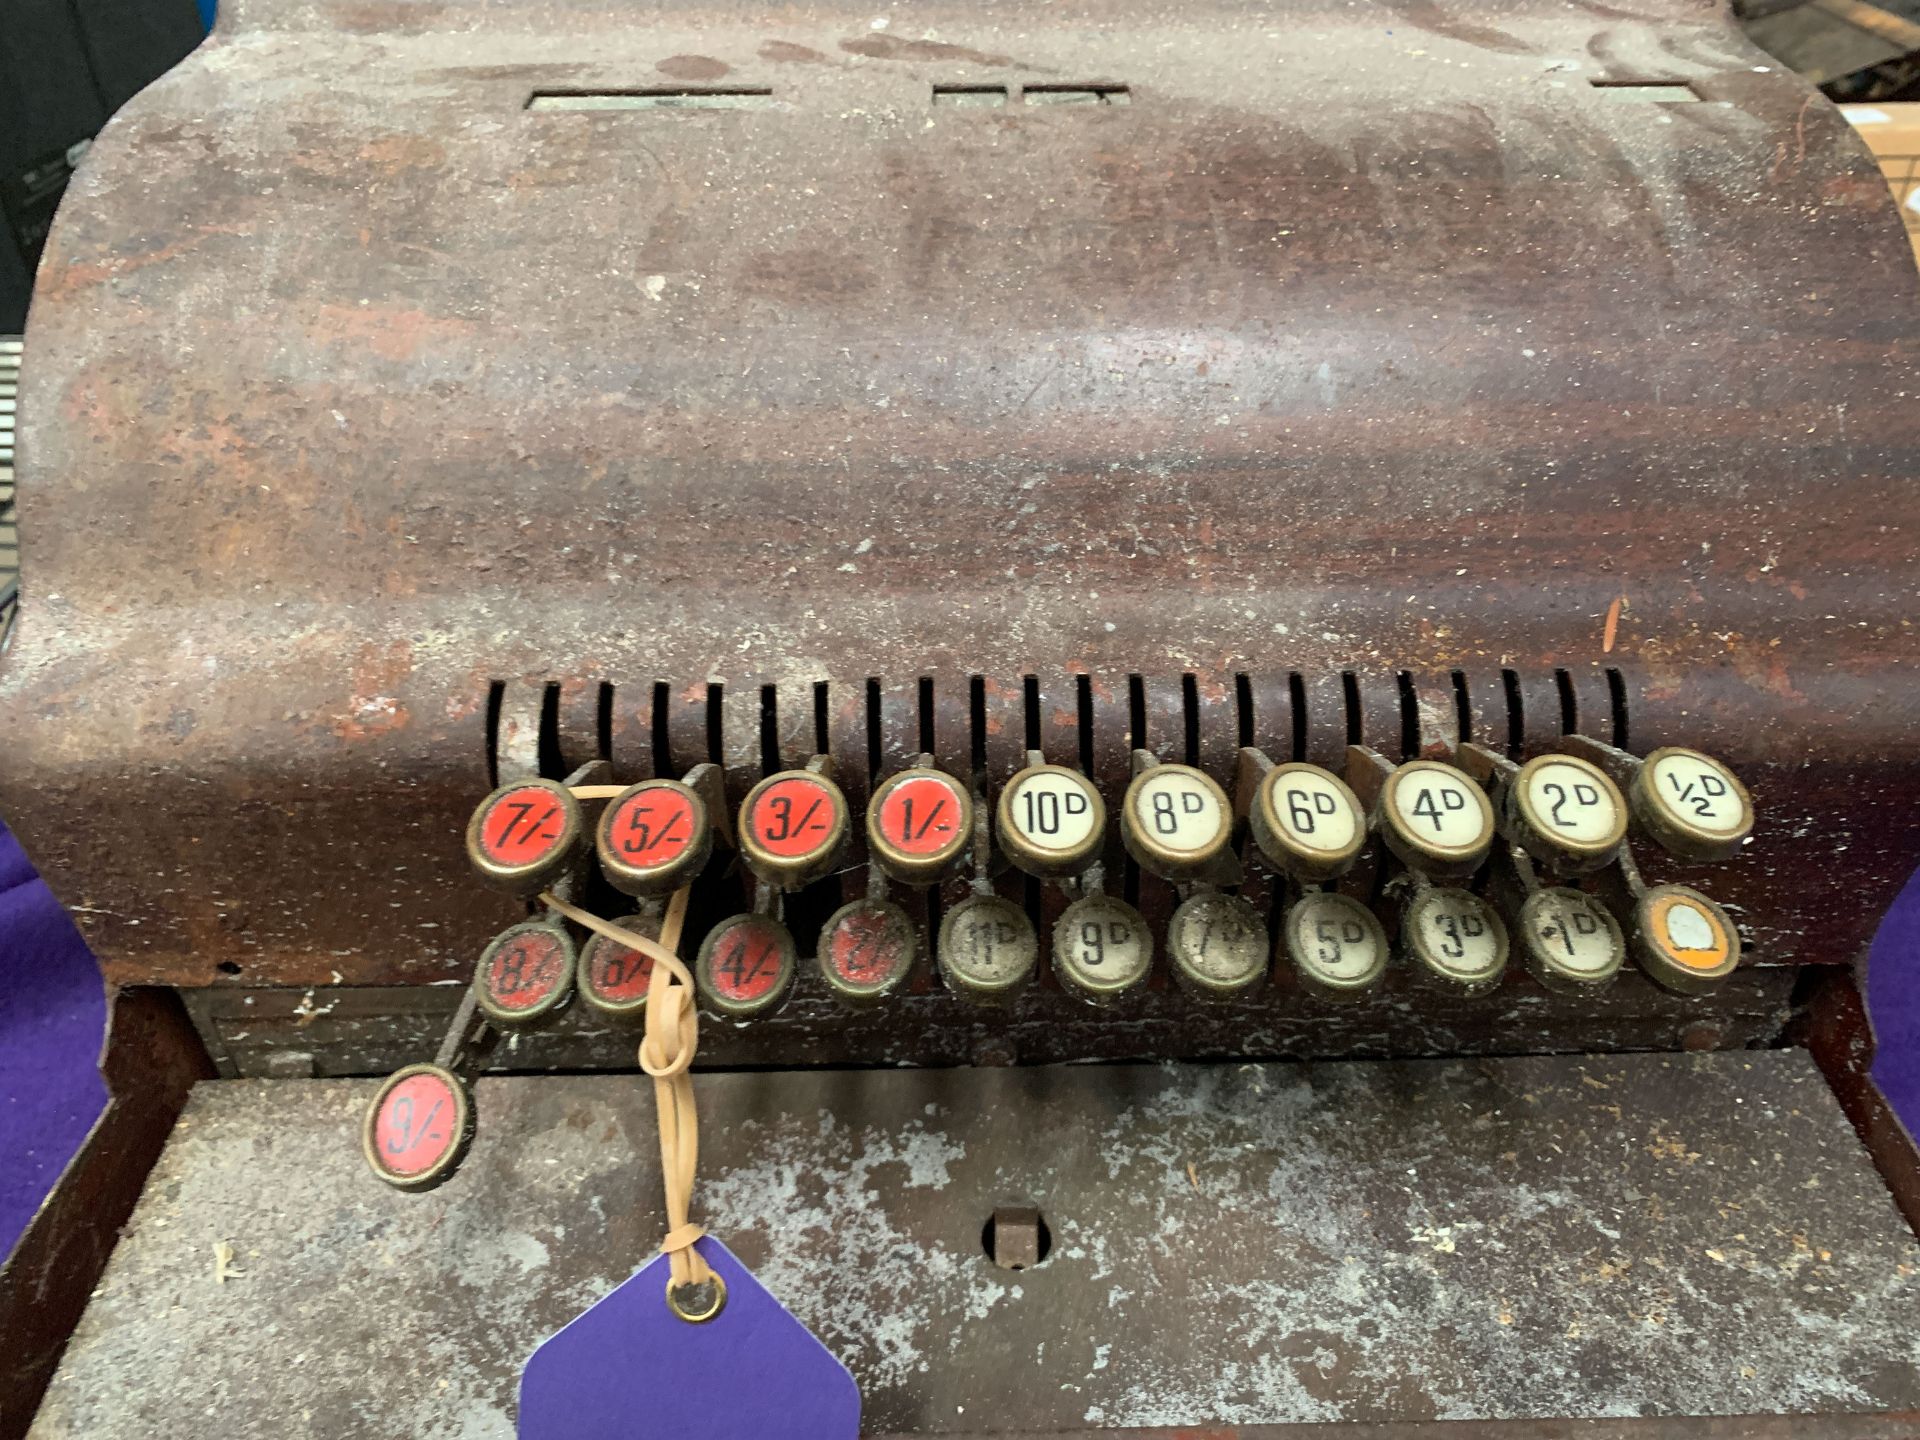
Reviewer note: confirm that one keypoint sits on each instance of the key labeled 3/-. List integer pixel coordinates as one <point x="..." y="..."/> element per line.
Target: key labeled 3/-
<point x="793" y="828"/>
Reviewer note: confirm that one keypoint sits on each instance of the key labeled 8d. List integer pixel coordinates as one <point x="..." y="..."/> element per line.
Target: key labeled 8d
<point x="1176" y="821"/>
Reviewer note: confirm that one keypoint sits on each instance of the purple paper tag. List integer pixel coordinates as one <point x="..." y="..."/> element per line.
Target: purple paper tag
<point x="630" y="1369"/>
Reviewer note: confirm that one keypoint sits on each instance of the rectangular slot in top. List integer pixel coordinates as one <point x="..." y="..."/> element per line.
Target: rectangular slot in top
<point x="1657" y="92"/>
<point x="1098" y="94"/>
<point x="971" y="95"/>
<point x="680" y="99"/>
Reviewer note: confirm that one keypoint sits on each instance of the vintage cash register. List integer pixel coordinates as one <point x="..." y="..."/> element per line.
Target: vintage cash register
<point x="1274" y="646"/>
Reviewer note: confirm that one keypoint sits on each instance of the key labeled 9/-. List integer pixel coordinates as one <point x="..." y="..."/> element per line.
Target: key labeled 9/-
<point x="523" y="836"/>
<point x="1455" y="937"/>
<point x="1051" y="821"/>
<point x="1101" y="948"/>
<point x="1566" y="813"/>
<point x="1436" y="819"/>
<point x="654" y="837"/>
<point x="1691" y="804"/>
<point x="1337" y="945"/>
<point x="418" y="1127"/>
<point x="1307" y="822"/>
<point x="1683" y="940"/>
<point x="1570" y="940"/>
<point x="1175" y="821"/>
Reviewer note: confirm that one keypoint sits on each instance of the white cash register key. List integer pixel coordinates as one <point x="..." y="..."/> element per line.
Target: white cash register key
<point x="1566" y="813"/>
<point x="1176" y="821"/>
<point x="1436" y="819"/>
<point x="1694" y="806"/>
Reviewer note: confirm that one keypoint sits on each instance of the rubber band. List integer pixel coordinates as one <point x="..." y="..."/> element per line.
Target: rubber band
<point x="666" y="1052"/>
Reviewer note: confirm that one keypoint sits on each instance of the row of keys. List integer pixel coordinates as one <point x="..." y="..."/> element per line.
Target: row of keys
<point x="1217" y="946"/>
<point x="1562" y="809"/>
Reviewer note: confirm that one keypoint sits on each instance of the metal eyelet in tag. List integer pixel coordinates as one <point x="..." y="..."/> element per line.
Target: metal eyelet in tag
<point x="632" y="1368"/>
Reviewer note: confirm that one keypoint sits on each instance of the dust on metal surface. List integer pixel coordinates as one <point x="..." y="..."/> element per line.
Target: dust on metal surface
<point x="1379" y="337"/>
<point x="1231" y="1245"/>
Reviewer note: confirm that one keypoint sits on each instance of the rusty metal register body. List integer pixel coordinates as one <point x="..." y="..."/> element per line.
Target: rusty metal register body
<point x="1204" y="538"/>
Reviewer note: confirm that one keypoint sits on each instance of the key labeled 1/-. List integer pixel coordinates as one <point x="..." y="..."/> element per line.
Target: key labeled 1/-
<point x="920" y="826"/>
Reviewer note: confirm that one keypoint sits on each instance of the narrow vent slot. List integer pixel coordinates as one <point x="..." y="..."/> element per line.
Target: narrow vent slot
<point x="1137" y="712"/>
<point x="551" y="762"/>
<point x="496" y="698"/>
<point x="1569" y="703"/>
<point x="657" y="728"/>
<point x="1093" y="94"/>
<point x="1083" y="696"/>
<point x="972" y="95"/>
<point x="769" y="730"/>
<point x="1409" y="717"/>
<point x="1645" y="92"/>
<point x="1243" y="708"/>
<point x="1617" y="692"/>
<point x="822" y="718"/>
<point x="926" y="714"/>
<point x="1190" y="716"/>
<point x="977" y="708"/>
<point x="603" y="723"/>
<point x="1462" y="707"/>
<point x="1350" y="688"/>
<point x="1297" y="691"/>
<point x="1516" y="714"/>
<point x="716" y="735"/>
<point x="1030" y="707"/>
<point x="873" y="728"/>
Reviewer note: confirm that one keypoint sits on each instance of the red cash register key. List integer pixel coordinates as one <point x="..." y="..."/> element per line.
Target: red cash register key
<point x="793" y="817"/>
<point x="652" y="826"/>
<point x="526" y="966"/>
<point x="617" y="975"/>
<point x="522" y="826"/>
<point x="865" y="948"/>
<point x="922" y="815"/>
<point x="745" y="966"/>
<point x="418" y="1127"/>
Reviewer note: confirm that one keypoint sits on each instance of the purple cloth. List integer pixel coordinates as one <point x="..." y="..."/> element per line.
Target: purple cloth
<point x="1893" y="1005"/>
<point x="53" y="1014"/>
